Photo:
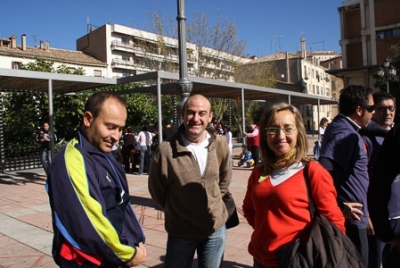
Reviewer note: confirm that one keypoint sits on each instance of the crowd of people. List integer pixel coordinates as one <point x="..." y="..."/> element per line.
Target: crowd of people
<point x="355" y="183"/>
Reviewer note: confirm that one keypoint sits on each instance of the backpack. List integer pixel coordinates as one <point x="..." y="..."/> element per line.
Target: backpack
<point x="320" y="244"/>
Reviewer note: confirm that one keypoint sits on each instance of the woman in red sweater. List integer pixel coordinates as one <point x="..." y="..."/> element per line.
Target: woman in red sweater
<point x="276" y="201"/>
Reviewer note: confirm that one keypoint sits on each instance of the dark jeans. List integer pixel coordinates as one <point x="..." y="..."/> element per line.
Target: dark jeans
<point x="255" y="153"/>
<point x="391" y="254"/>
<point x="375" y="248"/>
<point x="259" y="265"/>
<point x="72" y="264"/>
<point x="359" y="238"/>
<point x="45" y="156"/>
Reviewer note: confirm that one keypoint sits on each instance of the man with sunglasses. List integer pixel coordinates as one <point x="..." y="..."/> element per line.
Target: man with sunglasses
<point x="343" y="154"/>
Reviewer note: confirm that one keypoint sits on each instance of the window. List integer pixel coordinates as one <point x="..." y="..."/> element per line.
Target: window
<point x="388" y="33"/>
<point x="125" y="74"/>
<point x="124" y="40"/>
<point x="125" y="58"/>
<point x="16" y="65"/>
<point x="97" y="73"/>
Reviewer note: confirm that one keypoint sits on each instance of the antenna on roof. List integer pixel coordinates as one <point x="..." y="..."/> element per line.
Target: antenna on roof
<point x="35" y="39"/>
<point x="319" y="42"/>
<point x="277" y="45"/>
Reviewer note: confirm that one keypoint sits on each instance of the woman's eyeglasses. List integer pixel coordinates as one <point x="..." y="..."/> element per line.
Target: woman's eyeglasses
<point x="272" y="131"/>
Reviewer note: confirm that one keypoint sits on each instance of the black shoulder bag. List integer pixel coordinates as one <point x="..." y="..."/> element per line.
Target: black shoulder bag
<point x="233" y="217"/>
<point x="320" y="244"/>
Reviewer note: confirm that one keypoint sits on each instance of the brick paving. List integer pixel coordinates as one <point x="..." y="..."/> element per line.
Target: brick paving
<point x="26" y="228"/>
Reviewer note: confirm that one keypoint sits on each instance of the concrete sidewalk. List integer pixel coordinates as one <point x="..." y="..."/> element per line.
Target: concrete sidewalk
<point x="26" y="228"/>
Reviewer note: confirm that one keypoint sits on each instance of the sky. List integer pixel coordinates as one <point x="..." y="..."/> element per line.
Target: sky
<point x="265" y="26"/>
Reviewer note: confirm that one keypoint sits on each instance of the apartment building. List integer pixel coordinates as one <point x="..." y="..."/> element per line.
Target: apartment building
<point x="129" y="51"/>
<point x="13" y="56"/>
<point x="304" y="72"/>
<point x="368" y="29"/>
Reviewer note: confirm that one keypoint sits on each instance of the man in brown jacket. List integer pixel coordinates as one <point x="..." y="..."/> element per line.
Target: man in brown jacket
<point x="187" y="179"/>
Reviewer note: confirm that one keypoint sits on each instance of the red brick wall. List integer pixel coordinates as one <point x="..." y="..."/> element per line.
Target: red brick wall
<point x="354" y="55"/>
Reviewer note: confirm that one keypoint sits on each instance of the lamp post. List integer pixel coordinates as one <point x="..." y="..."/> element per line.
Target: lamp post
<point x="387" y="73"/>
<point x="184" y="85"/>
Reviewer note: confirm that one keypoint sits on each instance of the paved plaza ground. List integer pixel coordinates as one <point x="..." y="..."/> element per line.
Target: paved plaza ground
<point x="26" y="228"/>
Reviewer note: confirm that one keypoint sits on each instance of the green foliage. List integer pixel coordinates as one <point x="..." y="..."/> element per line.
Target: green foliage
<point x="39" y="65"/>
<point x="25" y="112"/>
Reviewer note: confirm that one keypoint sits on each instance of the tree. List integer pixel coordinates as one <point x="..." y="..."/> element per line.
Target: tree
<point x="25" y="112"/>
<point x="259" y="74"/>
<point x="220" y="52"/>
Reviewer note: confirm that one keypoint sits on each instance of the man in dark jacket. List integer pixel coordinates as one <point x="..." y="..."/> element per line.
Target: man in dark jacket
<point x="344" y="155"/>
<point x="94" y="223"/>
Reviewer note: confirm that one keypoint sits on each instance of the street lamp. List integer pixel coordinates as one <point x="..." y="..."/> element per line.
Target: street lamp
<point x="387" y="73"/>
<point x="184" y="85"/>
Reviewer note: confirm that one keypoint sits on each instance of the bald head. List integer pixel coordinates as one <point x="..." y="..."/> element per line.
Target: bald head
<point x="196" y="115"/>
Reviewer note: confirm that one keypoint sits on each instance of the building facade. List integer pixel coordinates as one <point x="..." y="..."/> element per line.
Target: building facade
<point x="368" y="29"/>
<point x="13" y="56"/>
<point x="128" y="51"/>
<point x="306" y="72"/>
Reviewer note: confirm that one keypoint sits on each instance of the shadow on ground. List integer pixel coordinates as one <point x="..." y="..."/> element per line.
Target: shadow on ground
<point x="22" y="178"/>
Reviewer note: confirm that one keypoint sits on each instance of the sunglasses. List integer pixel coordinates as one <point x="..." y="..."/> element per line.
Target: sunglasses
<point x="369" y="108"/>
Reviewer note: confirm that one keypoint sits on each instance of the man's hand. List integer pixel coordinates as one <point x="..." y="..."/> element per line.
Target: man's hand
<point x="370" y="228"/>
<point x="351" y="211"/>
<point x="140" y="257"/>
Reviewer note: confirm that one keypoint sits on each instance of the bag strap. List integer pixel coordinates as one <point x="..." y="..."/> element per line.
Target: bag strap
<point x="311" y="204"/>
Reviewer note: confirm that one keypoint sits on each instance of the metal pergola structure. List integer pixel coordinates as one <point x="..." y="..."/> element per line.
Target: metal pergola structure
<point x="166" y="83"/>
<point x="160" y="83"/>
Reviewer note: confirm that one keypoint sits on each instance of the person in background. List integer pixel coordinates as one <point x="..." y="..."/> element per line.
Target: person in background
<point x="218" y="128"/>
<point x="93" y="221"/>
<point x="322" y="126"/>
<point x="128" y="150"/>
<point x="145" y="139"/>
<point x="253" y="140"/>
<point x="373" y="135"/>
<point x="167" y="131"/>
<point x="317" y="144"/>
<point x="189" y="175"/>
<point x="228" y="136"/>
<point x="44" y="138"/>
<point x="276" y="212"/>
<point x="245" y="158"/>
<point x="344" y="155"/>
<point x="384" y="198"/>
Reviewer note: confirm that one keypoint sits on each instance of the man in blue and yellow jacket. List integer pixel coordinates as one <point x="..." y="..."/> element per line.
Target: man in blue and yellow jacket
<point x="94" y="224"/>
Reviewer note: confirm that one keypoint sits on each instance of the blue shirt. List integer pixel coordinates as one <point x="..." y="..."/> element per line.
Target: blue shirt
<point x="344" y="155"/>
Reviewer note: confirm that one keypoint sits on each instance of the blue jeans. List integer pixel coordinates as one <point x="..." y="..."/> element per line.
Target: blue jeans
<point x="144" y="158"/>
<point x="180" y="251"/>
<point x="45" y="155"/>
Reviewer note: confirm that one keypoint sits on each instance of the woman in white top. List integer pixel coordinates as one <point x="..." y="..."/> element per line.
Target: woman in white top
<point x="228" y="136"/>
<point x="322" y="126"/>
<point x="144" y="139"/>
